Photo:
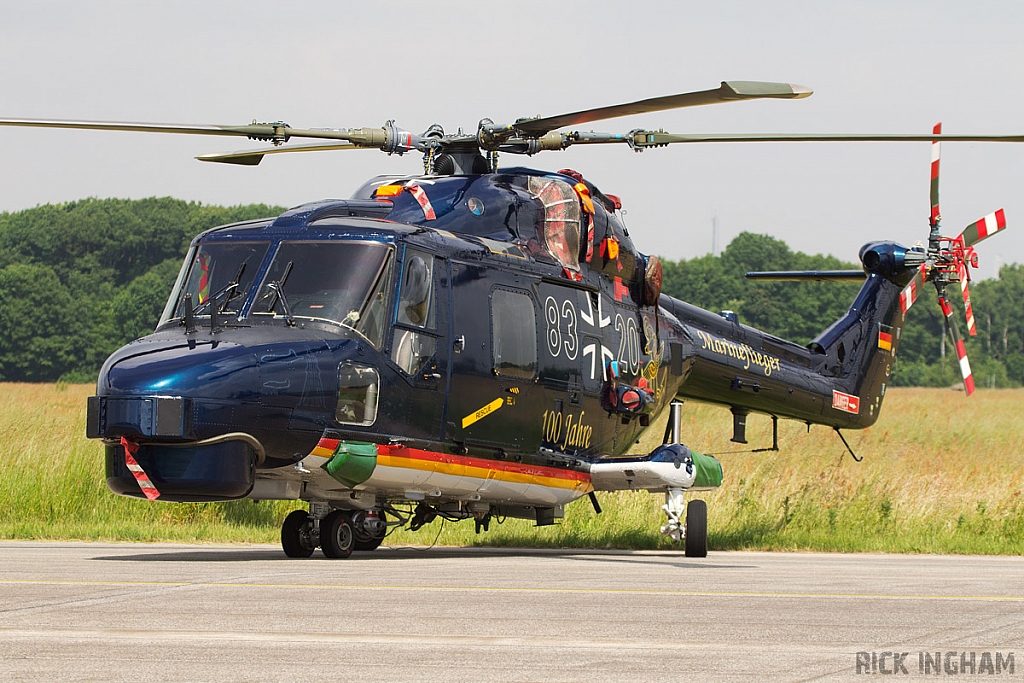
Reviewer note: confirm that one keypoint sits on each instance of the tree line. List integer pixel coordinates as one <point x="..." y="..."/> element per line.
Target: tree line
<point x="79" y="280"/>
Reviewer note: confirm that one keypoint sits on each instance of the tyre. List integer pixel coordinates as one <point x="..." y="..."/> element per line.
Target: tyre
<point x="295" y="535"/>
<point x="337" y="538"/>
<point x="371" y="543"/>
<point x="696" y="529"/>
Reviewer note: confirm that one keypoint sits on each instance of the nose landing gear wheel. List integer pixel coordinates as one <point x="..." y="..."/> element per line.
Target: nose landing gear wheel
<point x="696" y="529"/>
<point x="295" y="535"/>
<point x="337" y="538"/>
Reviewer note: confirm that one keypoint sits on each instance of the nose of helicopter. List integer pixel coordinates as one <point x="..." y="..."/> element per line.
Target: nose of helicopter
<point x="152" y="387"/>
<point x="199" y="415"/>
<point x="170" y="387"/>
<point x="157" y="365"/>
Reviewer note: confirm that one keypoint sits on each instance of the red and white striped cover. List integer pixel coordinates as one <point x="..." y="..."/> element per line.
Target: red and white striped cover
<point x="421" y="198"/>
<point x="136" y="469"/>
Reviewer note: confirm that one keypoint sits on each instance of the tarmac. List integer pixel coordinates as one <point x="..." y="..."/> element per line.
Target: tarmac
<point x="170" y="612"/>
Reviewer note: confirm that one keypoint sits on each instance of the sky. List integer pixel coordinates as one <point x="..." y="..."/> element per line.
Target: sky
<point x="875" y="66"/>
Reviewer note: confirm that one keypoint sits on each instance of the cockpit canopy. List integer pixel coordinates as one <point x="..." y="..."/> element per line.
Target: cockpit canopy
<point x="339" y="282"/>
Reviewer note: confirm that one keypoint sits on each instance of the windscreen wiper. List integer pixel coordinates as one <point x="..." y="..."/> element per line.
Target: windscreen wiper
<point x="278" y="289"/>
<point x="230" y="289"/>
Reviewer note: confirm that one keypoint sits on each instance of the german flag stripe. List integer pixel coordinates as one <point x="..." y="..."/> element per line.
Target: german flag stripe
<point x="325" y="448"/>
<point x="465" y="466"/>
<point x="480" y="468"/>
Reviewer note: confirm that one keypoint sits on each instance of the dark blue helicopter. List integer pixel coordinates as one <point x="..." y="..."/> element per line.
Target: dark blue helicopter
<point x="471" y="342"/>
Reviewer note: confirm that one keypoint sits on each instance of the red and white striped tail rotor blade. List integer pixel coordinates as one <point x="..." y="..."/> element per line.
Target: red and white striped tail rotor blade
<point x="986" y="227"/>
<point x="910" y="293"/>
<point x="958" y="344"/>
<point x="968" y="309"/>
<point x="935" y="175"/>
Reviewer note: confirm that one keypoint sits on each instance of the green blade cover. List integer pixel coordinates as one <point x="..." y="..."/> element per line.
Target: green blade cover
<point x="709" y="471"/>
<point x="353" y="462"/>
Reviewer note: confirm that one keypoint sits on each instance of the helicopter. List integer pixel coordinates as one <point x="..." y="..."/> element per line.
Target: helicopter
<point x="477" y="342"/>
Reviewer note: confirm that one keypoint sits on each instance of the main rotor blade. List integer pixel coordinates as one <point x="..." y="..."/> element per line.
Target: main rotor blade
<point x="641" y="139"/>
<point x="140" y="127"/>
<point x="808" y="275"/>
<point x="729" y="91"/>
<point x="254" y="156"/>
<point x="277" y="132"/>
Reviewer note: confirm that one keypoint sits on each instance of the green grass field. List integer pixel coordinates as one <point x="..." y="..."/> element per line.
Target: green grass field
<point x="941" y="473"/>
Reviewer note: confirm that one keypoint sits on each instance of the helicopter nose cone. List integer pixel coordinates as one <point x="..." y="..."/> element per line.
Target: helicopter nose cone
<point x="178" y="366"/>
<point x="171" y="387"/>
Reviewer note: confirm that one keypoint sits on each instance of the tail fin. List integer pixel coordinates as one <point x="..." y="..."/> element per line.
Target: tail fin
<point x="859" y="349"/>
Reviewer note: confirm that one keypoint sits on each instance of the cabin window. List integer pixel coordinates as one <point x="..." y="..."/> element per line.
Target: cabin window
<point x="513" y="334"/>
<point x="357" y="394"/>
<point x="561" y="228"/>
<point x="411" y="350"/>
<point x="339" y="282"/>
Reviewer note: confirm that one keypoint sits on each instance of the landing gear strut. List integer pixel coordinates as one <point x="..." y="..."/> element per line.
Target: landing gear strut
<point x="695" y="531"/>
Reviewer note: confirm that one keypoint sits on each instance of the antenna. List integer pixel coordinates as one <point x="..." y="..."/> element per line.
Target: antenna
<point x="714" y="234"/>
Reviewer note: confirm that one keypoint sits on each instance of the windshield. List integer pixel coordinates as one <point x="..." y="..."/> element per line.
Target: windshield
<point x="216" y="274"/>
<point x="340" y="282"/>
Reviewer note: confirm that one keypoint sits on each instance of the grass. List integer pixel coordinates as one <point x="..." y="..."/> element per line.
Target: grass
<point x="941" y="474"/>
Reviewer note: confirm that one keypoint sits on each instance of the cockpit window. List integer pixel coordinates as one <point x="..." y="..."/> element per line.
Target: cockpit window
<point x="217" y="274"/>
<point x="411" y="349"/>
<point x="415" y="305"/>
<point x="561" y="219"/>
<point x="342" y="282"/>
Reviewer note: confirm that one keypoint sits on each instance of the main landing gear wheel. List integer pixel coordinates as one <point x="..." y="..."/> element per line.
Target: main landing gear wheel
<point x="295" y="535"/>
<point x="696" y="529"/>
<point x="337" y="537"/>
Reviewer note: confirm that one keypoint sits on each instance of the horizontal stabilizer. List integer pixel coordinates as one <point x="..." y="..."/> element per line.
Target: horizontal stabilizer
<point x="808" y="275"/>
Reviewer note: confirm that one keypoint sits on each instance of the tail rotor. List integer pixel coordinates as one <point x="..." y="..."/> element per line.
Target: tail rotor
<point x="948" y="260"/>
